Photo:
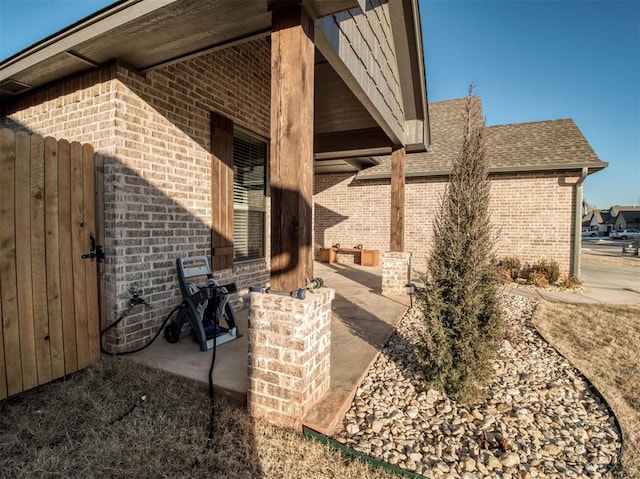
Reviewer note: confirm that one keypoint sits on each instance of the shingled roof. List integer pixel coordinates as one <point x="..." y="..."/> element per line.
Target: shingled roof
<point x="630" y="216"/>
<point x="616" y="209"/>
<point x="535" y="146"/>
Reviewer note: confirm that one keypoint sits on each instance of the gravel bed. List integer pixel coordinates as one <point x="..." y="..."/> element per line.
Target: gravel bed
<point x="540" y="417"/>
<point x="551" y="287"/>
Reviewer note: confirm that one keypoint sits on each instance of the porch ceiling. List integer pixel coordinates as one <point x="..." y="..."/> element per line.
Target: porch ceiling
<point x="146" y="35"/>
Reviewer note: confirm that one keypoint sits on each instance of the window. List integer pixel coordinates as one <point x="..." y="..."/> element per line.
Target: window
<point x="249" y="191"/>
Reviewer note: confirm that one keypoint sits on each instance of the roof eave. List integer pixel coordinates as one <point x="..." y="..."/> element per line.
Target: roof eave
<point x="87" y="31"/>
<point x="553" y="167"/>
<point x="406" y="16"/>
<point x="89" y="27"/>
<point x="492" y="170"/>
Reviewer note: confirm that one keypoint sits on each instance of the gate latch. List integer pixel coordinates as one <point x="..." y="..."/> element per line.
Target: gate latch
<point x="96" y="250"/>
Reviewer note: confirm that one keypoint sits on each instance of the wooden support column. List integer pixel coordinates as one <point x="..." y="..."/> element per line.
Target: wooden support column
<point x="396" y="241"/>
<point x="291" y="158"/>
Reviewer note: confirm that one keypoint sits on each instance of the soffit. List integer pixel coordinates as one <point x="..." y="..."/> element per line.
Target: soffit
<point x="147" y="34"/>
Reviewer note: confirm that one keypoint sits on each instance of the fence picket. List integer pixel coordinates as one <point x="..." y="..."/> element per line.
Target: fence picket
<point x="52" y="244"/>
<point x="66" y="268"/>
<point x="12" y="368"/>
<point x="3" y="374"/>
<point x="38" y="261"/>
<point x="79" y="246"/>
<point x="91" y="271"/>
<point x="23" y="261"/>
<point x="99" y="187"/>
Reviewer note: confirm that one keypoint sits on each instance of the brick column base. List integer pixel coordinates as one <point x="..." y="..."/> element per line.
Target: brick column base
<point x="289" y="355"/>
<point x="396" y="273"/>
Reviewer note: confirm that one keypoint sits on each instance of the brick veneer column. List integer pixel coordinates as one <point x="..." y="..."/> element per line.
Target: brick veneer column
<point x="289" y="355"/>
<point x="396" y="269"/>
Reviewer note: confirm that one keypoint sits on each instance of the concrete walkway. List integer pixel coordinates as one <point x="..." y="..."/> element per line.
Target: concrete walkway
<point x="362" y="322"/>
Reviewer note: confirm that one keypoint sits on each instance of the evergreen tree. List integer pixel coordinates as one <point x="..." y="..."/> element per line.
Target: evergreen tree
<point x="462" y="319"/>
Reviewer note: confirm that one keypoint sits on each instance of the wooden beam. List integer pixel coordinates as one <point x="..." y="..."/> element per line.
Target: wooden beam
<point x="396" y="241"/>
<point x="291" y="161"/>
<point x="344" y="144"/>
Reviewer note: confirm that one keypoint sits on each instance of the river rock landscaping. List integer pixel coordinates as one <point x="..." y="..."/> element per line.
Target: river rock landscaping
<point x="539" y="417"/>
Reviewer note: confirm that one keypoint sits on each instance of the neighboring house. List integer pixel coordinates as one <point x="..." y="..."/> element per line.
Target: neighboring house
<point x="627" y="218"/>
<point x="536" y="172"/>
<point x="617" y="209"/>
<point x="615" y="218"/>
<point x="598" y="221"/>
<point x="199" y="106"/>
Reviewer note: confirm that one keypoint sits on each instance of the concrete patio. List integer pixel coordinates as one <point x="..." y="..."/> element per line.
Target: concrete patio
<point x="362" y="322"/>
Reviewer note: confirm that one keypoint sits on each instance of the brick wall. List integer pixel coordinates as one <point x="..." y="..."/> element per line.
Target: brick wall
<point x="155" y="133"/>
<point x="78" y="108"/>
<point x="540" y="223"/>
<point x="396" y="272"/>
<point x="289" y="355"/>
<point x="531" y="212"/>
<point x="351" y="212"/>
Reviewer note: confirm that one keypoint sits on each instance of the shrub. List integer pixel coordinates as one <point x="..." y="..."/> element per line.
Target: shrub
<point x="511" y="265"/>
<point x="462" y="318"/>
<point x="550" y="270"/>
<point x="537" y="278"/>
<point x="570" y="282"/>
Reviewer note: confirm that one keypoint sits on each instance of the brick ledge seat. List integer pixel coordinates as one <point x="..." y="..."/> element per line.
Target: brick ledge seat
<point x="368" y="257"/>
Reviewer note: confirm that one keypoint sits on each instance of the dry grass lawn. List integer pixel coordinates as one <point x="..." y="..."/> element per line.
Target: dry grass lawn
<point x="79" y="427"/>
<point x="603" y="341"/>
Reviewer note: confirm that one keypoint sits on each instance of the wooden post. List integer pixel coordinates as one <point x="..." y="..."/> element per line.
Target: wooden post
<point x="291" y="163"/>
<point x="396" y="242"/>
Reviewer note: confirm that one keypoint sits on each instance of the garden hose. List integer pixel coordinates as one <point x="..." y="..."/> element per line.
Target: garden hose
<point x="133" y="302"/>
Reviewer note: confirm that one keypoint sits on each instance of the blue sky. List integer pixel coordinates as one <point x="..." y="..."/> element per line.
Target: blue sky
<point x="544" y="60"/>
<point x="530" y="60"/>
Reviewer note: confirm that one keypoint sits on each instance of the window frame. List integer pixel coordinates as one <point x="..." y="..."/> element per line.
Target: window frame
<point x="264" y="208"/>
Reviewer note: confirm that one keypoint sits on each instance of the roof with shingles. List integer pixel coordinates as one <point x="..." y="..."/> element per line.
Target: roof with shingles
<point x="604" y="216"/>
<point x="601" y="217"/>
<point x="535" y="146"/>
<point x="616" y="209"/>
<point x="630" y="216"/>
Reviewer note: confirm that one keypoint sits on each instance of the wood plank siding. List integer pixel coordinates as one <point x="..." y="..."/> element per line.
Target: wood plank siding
<point x="364" y="43"/>
<point x="222" y="191"/>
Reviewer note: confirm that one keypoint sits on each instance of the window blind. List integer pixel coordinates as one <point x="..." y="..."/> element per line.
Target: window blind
<point x="249" y="168"/>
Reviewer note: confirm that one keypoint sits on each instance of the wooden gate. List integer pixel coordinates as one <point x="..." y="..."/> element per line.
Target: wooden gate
<point x="49" y="294"/>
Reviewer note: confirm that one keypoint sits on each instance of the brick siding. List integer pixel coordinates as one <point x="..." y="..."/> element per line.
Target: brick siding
<point x="155" y="133"/>
<point x="532" y="214"/>
<point x="289" y="355"/>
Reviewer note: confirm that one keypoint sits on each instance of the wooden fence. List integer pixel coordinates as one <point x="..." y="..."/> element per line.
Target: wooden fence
<point x="48" y="293"/>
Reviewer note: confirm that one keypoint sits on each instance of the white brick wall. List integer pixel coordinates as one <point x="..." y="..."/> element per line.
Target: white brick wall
<point x="154" y="131"/>
<point x="289" y="355"/>
<point x="532" y="214"/>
